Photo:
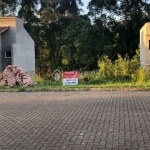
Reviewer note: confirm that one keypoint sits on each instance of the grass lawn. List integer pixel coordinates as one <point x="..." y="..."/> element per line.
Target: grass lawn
<point x="84" y="86"/>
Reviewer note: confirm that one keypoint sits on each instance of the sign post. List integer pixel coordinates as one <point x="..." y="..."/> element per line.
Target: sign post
<point x="70" y="78"/>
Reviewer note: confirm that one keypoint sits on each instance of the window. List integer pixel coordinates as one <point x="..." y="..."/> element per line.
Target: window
<point x="8" y="54"/>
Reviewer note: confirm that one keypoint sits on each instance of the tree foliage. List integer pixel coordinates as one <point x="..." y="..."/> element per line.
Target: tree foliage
<point x="67" y="40"/>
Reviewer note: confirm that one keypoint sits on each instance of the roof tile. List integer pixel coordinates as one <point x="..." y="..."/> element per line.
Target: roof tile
<point x="3" y="28"/>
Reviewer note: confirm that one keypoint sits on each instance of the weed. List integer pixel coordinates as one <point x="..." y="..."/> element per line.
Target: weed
<point x="21" y="89"/>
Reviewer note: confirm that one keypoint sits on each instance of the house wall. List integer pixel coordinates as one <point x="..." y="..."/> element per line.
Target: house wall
<point x="147" y="55"/>
<point x="22" y="55"/>
<point x="7" y="38"/>
<point x="23" y="51"/>
<point x="5" y="21"/>
<point x="18" y="41"/>
<point x="22" y="36"/>
<point x="144" y="46"/>
<point x="0" y="55"/>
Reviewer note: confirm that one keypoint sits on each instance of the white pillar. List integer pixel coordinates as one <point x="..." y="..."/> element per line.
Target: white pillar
<point x="145" y="46"/>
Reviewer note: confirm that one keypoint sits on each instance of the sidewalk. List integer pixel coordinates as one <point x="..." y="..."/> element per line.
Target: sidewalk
<point x="81" y="120"/>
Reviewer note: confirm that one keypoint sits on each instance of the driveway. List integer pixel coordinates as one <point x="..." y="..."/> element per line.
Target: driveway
<point x="93" y="120"/>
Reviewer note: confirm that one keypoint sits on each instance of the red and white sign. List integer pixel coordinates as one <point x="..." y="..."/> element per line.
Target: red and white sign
<point x="70" y="78"/>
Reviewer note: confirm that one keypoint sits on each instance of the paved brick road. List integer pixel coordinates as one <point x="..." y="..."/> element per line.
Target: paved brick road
<point x="96" y="120"/>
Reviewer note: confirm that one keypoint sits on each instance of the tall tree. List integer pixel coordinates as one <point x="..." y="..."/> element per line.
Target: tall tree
<point x="7" y="8"/>
<point x="80" y="45"/>
<point x="27" y="9"/>
<point x="99" y="7"/>
<point x="52" y="10"/>
<point x="128" y="17"/>
<point x="133" y="15"/>
<point x="55" y="16"/>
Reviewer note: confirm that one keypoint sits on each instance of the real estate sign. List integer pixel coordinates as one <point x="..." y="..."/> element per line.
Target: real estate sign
<point x="70" y="78"/>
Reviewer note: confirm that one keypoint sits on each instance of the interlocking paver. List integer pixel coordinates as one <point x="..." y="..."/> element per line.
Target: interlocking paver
<point x="93" y="120"/>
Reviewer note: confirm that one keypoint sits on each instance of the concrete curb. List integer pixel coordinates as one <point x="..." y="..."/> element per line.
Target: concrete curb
<point x="43" y="89"/>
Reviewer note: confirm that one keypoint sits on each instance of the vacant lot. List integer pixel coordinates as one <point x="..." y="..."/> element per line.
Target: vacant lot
<point x="95" y="120"/>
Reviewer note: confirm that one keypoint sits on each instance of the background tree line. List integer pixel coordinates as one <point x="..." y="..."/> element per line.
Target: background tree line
<point x="67" y="40"/>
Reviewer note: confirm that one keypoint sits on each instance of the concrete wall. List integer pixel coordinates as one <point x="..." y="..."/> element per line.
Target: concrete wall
<point x="22" y="36"/>
<point x="24" y="49"/>
<point x="144" y="46"/>
<point x="0" y="55"/>
<point x="24" y="57"/>
<point x="18" y="41"/>
<point x="7" y="38"/>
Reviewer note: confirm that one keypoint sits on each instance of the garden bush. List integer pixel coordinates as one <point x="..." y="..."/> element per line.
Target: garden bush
<point x="122" y="69"/>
